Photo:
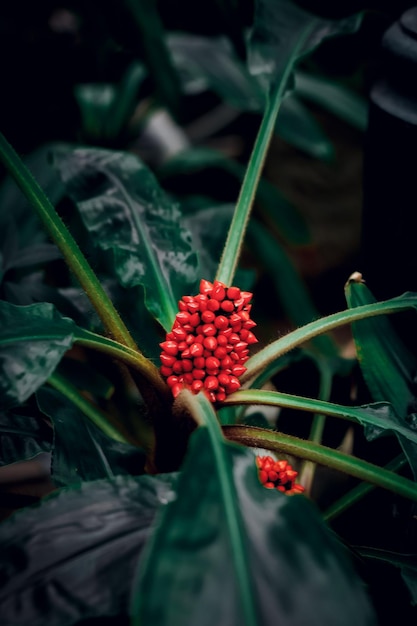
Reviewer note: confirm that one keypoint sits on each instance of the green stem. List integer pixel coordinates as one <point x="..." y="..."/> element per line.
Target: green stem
<point x="93" y="413"/>
<point x="66" y="243"/>
<point x="354" y="495"/>
<point x="127" y="355"/>
<point x="308" y="468"/>
<point x="237" y="230"/>
<point x="339" y="461"/>
<point x="202" y="410"/>
<point x="299" y="336"/>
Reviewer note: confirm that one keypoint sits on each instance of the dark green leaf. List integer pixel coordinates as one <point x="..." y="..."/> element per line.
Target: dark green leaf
<point x="22" y="437"/>
<point x="299" y="128"/>
<point x="125" y="211"/>
<point x="407" y="563"/>
<point x="292" y="292"/>
<point x="144" y="15"/>
<point x="83" y="376"/>
<point x="81" y="451"/>
<point x="73" y="556"/>
<point x="333" y="97"/>
<point x="94" y="101"/>
<point x="300" y="574"/>
<point x="283" y="33"/>
<point x="16" y="209"/>
<point x="33" y="339"/>
<point x="387" y="365"/>
<point x="125" y="100"/>
<point x="287" y="220"/>
<point x="210" y="62"/>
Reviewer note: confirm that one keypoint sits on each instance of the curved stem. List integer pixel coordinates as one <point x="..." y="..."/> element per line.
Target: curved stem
<point x="308" y="468"/>
<point x="91" y="411"/>
<point x="72" y="254"/>
<point x="127" y="355"/>
<point x="279" y="442"/>
<point x="299" y="336"/>
<point x="354" y="495"/>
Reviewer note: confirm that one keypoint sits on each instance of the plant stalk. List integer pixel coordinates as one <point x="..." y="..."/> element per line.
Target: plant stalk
<point x="287" y="444"/>
<point x="72" y="254"/>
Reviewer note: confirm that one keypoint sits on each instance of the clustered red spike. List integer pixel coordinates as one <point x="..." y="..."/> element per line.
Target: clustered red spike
<point x="208" y="344"/>
<point x="278" y="475"/>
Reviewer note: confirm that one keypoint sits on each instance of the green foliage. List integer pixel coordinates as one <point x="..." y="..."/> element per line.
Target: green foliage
<point x="82" y="318"/>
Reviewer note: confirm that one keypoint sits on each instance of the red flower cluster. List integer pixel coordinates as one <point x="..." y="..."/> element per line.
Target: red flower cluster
<point x="208" y="344"/>
<point x="278" y="475"/>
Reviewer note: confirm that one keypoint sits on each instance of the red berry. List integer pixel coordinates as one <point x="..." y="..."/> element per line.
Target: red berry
<point x="166" y="371"/>
<point x="197" y="385"/>
<point x="170" y="347"/>
<point x="205" y="287"/>
<point x="211" y="383"/>
<point x="167" y="359"/>
<point x="233" y="293"/>
<point x="221" y="322"/>
<point x="213" y="305"/>
<point x="199" y="363"/>
<point x="176" y="389"/>
<point x="194" y="319"/>
<point x="199" y="374"/>
<point x="196" y="349"/>
<point x="212" y="363"/>
<point x="227" y="306"/>
<point x="210" y="343"/>
<point x="207" y="316"/>
<point x="209" y="330"/>
<point x="182" y="317"/>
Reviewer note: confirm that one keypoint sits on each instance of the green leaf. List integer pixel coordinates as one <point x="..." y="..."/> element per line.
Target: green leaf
<point x="290" y="288"/>
<point x="125" y="211"/>
<point x="300" y="574"/>
<point x="94" y="101"/>
<point x="283" y="33"/>
<point x="22" y="437"/>
<point x="297" y="126"/>
<point x="333" y="97"/>
<point x="81" y="451"/>
<point x="387" y="365"/>
<point x="33" y="339"/>
<point x="73" y="556"/>
<point x="123" y="104"/>
<point x="210" y="62"/>
<point x="407" y="563"/>
<point x="285" y="216"/>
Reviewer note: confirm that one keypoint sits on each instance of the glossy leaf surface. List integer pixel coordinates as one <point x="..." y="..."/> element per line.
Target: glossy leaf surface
<point x="73" y="556"/>
<point x="125" y="211"/>
<point x="33" y="339"/>
<point x="81" y="451"/>
<point x="300" y="573"/>
<point x="22" y="437"/>
<point x="283" y="33"/>
<point x="387" y="365"/>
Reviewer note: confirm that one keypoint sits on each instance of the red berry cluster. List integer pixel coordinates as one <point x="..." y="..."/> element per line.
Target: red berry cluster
<point x="208" y="344"/>
<point x="278" y="475"/>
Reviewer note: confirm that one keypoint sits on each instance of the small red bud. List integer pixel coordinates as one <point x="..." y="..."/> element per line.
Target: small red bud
<point x="211" y="383"/>
<point x="193" y="307"/>
<point x="209" y="330"/>
<point x="182" y="317"/>
<point x="194" y="319"/>
<point x="187" y="365"/>
<point x="212" y="363"/>
<point x="199" y="363"/>
<point x="227" y="306"/>
<point x="196" y="349"/>
<point x="238" y="370"/>
<point x="199" y="374"/>
<point x="205" y="286"/>
<point x="207" y="316"/>
<point x="197" y="385"/>
<point x="177" y="367"/>
<point x="165" y="370"/>
<point x="213" y="305"/>
<point x="167" y="359"/>
<point x="233" y="385"/>
<point x="210" y="343"/>
<point x="221" y="322"/>
<point x="170" y="347"/>
<point x="176" y="389"/>
<point x="233" y="293"/>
